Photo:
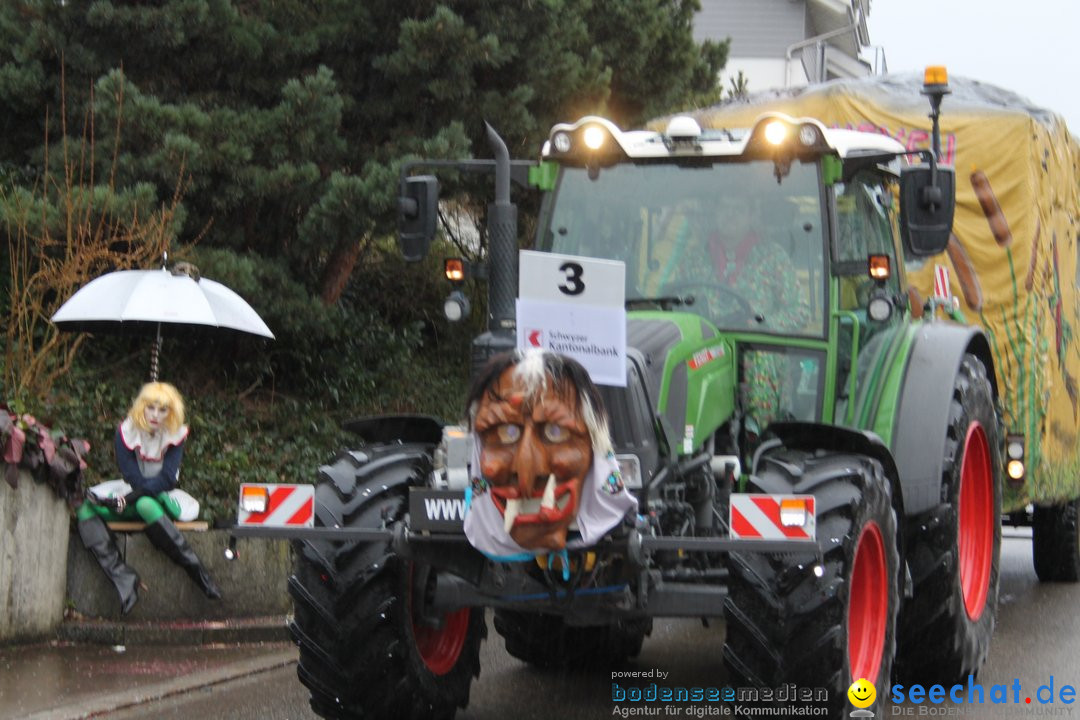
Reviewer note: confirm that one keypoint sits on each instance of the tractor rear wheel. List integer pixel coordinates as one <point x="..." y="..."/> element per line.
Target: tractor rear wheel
<point x="546" y="641"/>
<point x="820" y="624"/>
<point x="1055" y="535"/>
<point x="367" y="648"/>
<point x="954" y="551"/>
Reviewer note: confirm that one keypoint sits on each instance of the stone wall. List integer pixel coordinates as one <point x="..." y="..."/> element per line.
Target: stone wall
<point x="44" y="568"/>
<point x="255" y="584"/>
<point x="34" y="528"/>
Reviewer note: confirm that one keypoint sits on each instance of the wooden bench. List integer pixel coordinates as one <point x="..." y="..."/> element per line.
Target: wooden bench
<point x="136" y="526"/>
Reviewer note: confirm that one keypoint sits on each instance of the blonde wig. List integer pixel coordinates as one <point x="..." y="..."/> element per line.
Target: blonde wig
<point x="162" y="394"/>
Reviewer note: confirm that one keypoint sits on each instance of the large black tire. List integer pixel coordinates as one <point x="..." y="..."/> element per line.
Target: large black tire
<point x="953" y="552"/>
<point x="1055" y="546"/>
<point x="545" y="641"/>
<point x="364" y="652"/>
<point x="785" y="623"/>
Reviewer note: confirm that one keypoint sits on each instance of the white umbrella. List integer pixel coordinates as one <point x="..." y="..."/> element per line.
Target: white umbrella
<point x="152" y="300"/>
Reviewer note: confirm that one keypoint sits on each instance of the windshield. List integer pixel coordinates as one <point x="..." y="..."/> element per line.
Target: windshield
<point x="727" y="242"/>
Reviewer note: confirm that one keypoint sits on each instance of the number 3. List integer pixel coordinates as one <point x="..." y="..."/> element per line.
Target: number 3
<point x="573" y="285"/>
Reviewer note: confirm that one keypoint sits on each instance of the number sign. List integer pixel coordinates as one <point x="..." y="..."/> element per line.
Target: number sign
<point x="574" y="306"/>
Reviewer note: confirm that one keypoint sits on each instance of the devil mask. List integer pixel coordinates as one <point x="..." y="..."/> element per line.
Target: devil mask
<point x="541" y="456"/>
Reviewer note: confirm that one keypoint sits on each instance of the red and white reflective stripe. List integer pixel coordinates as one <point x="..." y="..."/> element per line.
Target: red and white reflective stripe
<point x="941" y="282"/>
<point x="288" y="506"/>
<point x="757" y="517"/>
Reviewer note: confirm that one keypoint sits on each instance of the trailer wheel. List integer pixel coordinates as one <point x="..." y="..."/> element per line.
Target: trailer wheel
<point x="953" y="552"/>
<point x="1055" y="535"/>
<point x="820" y="624"/>
<point x="545" y="641"/>
<point x="367" y="649"/>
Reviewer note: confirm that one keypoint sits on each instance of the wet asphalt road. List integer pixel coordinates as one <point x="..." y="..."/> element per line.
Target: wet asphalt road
<point x="1038" y="636"/>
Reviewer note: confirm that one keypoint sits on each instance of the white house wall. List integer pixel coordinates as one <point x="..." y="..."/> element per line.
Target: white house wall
<point x="762" y="74"/>
<point x="763" y="32"/>
<point x="757" y="28"/>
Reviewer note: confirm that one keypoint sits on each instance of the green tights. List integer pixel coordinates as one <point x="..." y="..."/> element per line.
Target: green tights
<point x="146" y="508"/>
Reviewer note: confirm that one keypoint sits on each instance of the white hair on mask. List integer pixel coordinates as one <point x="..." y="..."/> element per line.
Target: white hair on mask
<point x="531" y="371"/>
<point x="598" y="427"/>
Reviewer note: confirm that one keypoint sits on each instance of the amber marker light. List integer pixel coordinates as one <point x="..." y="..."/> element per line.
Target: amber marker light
<point x="454" y="269"/>
<point x="879" y="267"/>
<point x="793" y="512"/>
<point x="254" y="499"/>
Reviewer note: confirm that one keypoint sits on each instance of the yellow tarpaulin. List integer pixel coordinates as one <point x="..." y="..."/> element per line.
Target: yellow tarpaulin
<point x="1013" y="261"/>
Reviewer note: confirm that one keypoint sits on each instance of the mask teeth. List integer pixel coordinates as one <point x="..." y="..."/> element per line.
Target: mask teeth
<point x="548" y="500"/>
<point x="513" y="507"/>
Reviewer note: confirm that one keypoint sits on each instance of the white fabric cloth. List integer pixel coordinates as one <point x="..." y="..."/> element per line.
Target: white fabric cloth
<point x="150" y="448"/>
<point x="603" y="504"/>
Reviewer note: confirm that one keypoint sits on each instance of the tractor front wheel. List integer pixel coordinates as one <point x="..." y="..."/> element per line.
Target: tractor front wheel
<point x="820" y="623"/>
<point x="368" y="648"/>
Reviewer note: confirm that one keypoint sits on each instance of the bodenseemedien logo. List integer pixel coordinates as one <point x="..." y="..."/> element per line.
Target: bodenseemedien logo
<point x="653" y="699"/>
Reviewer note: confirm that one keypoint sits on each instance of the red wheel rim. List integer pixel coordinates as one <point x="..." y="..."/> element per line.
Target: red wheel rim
<point x="440" y="647"/>
<point x="975" y="538"/>
<point x="868" y="605"/>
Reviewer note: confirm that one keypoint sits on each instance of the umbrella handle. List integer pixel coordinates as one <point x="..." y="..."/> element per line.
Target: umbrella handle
<point x="155" y="352"/>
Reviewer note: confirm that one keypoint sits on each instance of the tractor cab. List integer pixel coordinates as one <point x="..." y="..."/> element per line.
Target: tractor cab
<point x="776" y="248"/>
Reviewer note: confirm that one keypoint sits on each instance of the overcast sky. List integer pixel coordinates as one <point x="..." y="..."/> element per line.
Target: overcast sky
<point x="1031" y="48"/>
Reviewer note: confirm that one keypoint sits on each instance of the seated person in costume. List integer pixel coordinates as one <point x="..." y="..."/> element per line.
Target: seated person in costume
<point x="745" y="282"/>
<point x="724" y="257"/>
<point x="543" y="474"/>
<point x="149" y="450"/>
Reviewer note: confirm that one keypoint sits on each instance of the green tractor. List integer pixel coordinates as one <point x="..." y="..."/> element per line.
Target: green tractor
<point x="785" y="363"/>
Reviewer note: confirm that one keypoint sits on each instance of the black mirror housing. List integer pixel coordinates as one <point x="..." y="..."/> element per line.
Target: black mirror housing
<point x="418" y="209"/>
<point x="926" y="208"/>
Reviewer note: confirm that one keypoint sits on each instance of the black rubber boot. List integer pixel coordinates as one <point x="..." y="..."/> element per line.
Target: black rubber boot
<point x="166" y="538"/>
<point x="95" y="536"/>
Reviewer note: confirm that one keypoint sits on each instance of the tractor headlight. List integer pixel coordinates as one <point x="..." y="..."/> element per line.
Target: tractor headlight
<point x="879" y="309"/>
<point x="809" y="135"/>
<point x="630" y="470"/>
<point x="776" y="132"/>
<point x="594" y="137"/>
<point x="591" y="142"/>
<point x="456" y="307"/>
<point x="782" y="137"/>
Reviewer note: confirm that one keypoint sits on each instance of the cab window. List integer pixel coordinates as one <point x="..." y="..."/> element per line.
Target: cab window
<point x="864" y="226"/>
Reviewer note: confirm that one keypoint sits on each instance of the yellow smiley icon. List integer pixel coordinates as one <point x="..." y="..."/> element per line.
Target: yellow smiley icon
<point x="862" y="693"/>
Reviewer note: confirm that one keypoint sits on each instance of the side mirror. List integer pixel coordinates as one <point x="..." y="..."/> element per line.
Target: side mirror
<point x="418" y="209"/>
<point x="926" y="208"/>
